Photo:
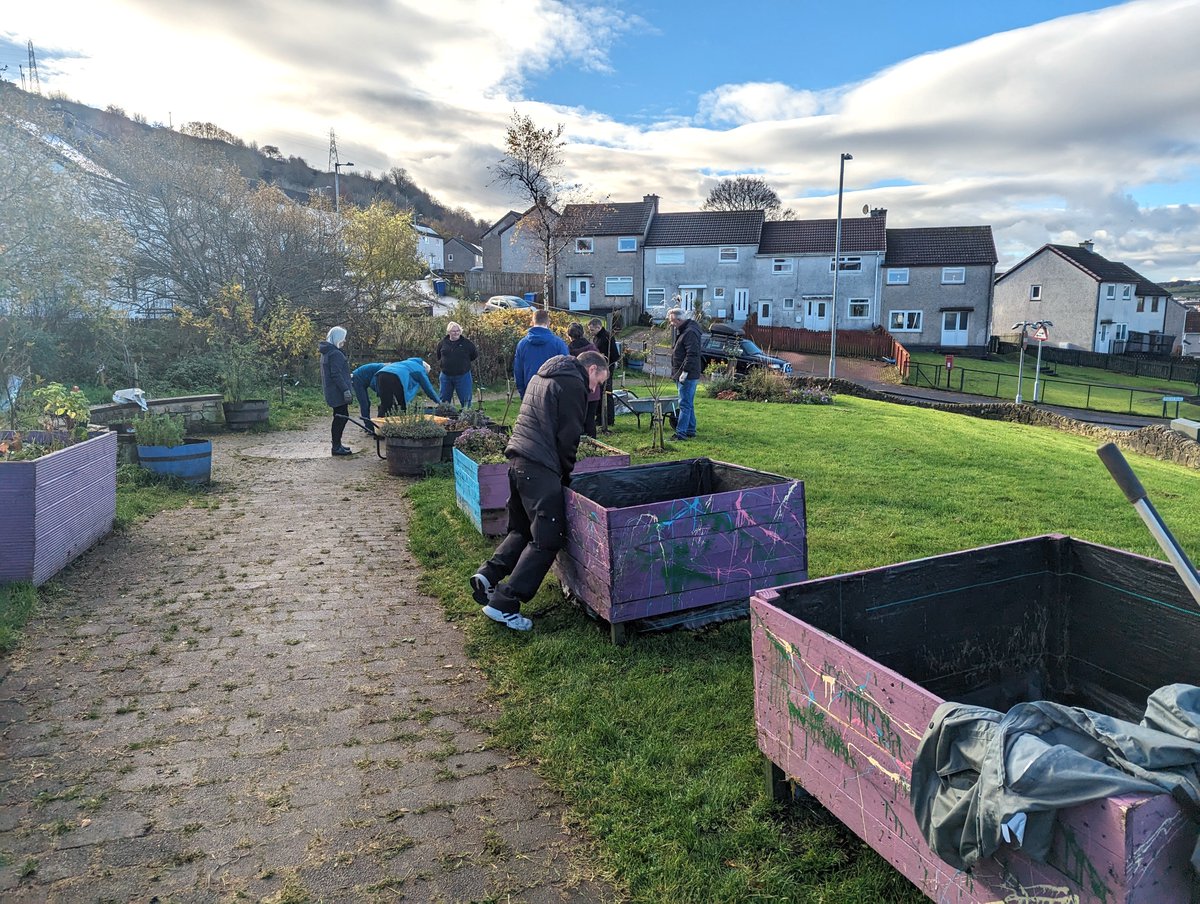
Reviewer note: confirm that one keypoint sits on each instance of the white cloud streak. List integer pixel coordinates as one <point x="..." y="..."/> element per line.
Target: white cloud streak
<point x="1044" y="132"/>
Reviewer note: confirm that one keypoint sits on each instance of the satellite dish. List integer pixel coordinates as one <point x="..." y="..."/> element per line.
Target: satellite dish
<point x="866" y="209"/>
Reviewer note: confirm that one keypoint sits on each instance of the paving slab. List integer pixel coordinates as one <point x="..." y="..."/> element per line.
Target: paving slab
<point x="213" y="710"/>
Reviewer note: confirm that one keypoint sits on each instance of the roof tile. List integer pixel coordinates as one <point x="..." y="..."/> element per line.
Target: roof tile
<point x="711" y="227"/>
<point x="818" y="236"/>
<point x="940" y="246"/>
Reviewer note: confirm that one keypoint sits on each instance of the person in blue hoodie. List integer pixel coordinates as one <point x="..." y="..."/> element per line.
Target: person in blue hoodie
<point x="399" y="382"/>
<point x="362" y="378"/>
<point x="537" y="347"/>
<point x="336" y="384"/>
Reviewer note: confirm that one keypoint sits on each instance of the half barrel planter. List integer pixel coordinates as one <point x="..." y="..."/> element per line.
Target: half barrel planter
<point x="848" y="671"/>
<point x="55" y="507"/>
<point x="482" y="490"/>
<point x="680" y="542"/>
<point x="191" y="461"/>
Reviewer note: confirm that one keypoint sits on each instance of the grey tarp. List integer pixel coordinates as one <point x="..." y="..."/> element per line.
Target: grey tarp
<point x="976" y="769"/>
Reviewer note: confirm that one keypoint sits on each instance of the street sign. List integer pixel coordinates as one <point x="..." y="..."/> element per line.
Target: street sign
<point x="1041" y="334"/>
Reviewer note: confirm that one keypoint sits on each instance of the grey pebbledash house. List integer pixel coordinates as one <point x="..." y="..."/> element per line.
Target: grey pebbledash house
<point x="938" y="285"/>
<point x="600" y="264"/>
<point x="706" y="258"/>
<point x="1095" y="304"/>
<point x="794" y="273"/>
<point x="462" y="256"/>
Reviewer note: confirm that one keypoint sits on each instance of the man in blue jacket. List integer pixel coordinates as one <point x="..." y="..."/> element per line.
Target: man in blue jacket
<point x="537" y="347"/>
<point x="398" y="384"/>
<point x="363" y="377"/>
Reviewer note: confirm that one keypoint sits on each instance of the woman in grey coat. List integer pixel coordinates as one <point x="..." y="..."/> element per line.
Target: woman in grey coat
<point x="335" y="381"/>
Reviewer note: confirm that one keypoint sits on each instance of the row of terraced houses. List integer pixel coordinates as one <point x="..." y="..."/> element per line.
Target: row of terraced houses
<point x="930" y="287"/>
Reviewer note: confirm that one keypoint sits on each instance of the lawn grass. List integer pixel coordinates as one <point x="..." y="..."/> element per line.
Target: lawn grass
<point x="653" y="743"/>
<point x="17" y="604"/>
<point x="142" y="494"/>
<point x="1071" y="386"/>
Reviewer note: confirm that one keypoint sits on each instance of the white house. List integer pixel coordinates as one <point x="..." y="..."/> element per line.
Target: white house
<point x="430" y="247"/>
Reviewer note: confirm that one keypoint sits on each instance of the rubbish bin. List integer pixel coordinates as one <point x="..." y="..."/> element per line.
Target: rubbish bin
<point x="439" y="287"/>
<point x="530" y="297"/>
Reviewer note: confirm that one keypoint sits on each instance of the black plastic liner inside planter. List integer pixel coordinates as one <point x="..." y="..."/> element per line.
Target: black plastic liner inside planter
<point x="647" y="484"/>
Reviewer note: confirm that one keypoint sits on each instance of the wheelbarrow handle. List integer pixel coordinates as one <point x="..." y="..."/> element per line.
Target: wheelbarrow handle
<point x="1119" y="468"/>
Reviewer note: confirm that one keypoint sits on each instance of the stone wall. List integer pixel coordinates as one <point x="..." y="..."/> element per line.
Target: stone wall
<point x="1157" y="440"/>
<point x="202" y="412"/>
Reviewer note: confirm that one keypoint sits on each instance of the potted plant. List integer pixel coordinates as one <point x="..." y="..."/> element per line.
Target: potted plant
<point x="481" y="474"/>
<point x="459" y="423"/>
<point x="58" y="485"/>
<point x="164" y="449"/>
<point x="414" y="442"/>
<point x="635" y="358"/>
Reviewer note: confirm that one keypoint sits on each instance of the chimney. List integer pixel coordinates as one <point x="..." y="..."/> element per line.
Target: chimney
<point x="651" y="199"/>
<point x="879" y="211"/>
<point x="1088" y="245"/>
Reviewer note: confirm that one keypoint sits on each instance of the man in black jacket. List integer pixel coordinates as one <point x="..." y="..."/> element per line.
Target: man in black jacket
<point x="607" y="344"/>
<point x="686" y="369"/>
<point x="541" y="456"/>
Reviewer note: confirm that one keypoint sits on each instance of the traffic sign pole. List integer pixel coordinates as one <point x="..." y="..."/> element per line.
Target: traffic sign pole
<point x="1041" y="334"/>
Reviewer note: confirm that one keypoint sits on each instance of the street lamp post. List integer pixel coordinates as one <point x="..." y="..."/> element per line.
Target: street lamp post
<point x="837" y="266"/>
<point x="337" y="195"/>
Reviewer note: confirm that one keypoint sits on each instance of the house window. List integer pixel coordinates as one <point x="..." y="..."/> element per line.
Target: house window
<point x="849" y="264"/>
<point x="1153" y="305"/>
<point x="897" y="276"/>
<point x="1112" y="292"/>
<point x="781" y="265"/>
<point x="1141" y="305"/>
<point x="727" y="255"/>
<point x="954" y="275"/>
<point x="627" y="243"/>
<point x="904" y="321"/>
<point x="789" y="304"/>
<point x="656" y="298"/>
<point x="1035" y="293"/>
<point x="618" y="285"/>
<point x="719" y="293"/>
<point x="1126" y="291"/>
<point x="584" y="246"/>
<point x="858" y="308"/>
<point x="1120" y="331"/>
<point x="668" y="255"/>
<point x="450" y="256"/>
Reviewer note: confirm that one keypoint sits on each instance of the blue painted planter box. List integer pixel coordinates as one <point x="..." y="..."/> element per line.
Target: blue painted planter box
<point x="191" y="461"/>
<point x="55" y="507"/>
<point x="482" y="490"/>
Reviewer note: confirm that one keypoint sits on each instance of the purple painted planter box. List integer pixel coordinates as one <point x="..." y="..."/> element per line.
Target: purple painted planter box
<point x="678" y="535"/>
<point x="849" y="669"/>
<point x="55" y="507"/>
<point x="482" y="490"/>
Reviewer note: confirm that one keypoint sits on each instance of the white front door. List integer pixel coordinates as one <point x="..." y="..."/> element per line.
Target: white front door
<point x="816" y="314"/>
<point x="741" y="304"/>
<point x="687" y="300"/>
<point x="1103" y="338"/>
<point x="954" y="327"/>
<point x="579" y="300"/>
<point x="764" y="311"/>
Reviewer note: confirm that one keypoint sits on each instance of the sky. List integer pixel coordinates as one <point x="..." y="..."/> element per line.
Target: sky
<point x="1050" y="120"/>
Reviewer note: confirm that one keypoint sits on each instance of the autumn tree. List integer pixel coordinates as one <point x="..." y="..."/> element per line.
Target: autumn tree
<point x="533" y="170"/>
<point x="382" y="264"/>
<point x="747" y="193"/>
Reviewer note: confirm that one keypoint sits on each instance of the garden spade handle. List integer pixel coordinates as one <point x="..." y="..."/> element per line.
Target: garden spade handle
<point x="1119" y="468"/>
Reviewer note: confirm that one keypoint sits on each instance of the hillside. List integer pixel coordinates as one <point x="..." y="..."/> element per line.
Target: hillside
<point x="1183" y="289"/>
<point x="96" y="130"/>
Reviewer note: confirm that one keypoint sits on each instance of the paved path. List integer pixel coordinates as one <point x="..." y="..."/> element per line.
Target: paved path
<point x="221" y="708"/>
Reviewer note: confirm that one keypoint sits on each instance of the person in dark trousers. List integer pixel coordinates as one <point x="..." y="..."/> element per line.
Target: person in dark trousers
<point x="577" y="345"/>
<point x="399" y="382"/>
<point x="541" y="455"/>
<point x="685" y="369"/>
<point x="362" y="378"/>
<point x="607" y="346"/>
<point x="536" y="347"/>
<point x="455" y="356"/>
<point x="336" y="384"/>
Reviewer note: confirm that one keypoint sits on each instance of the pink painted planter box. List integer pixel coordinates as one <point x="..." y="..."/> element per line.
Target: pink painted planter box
<point x="849" y="669"/>
<point x="55" y="507"/>
<point x="481" y="491"/>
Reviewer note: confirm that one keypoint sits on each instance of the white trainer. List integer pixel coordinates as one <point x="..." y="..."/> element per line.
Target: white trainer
<point x="514" y="620"/>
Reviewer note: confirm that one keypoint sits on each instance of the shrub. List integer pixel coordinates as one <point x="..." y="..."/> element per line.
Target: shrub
<point x="482" y="446"/>
<point x="410" y="426"/>
<point x="160" y="429"/>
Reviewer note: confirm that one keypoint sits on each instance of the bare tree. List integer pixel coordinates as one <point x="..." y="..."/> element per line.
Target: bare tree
<point x="532" y="169"/>
<point x="747" y="193"/>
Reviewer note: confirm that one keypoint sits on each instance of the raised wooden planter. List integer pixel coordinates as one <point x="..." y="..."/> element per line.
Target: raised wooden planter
<point x="662" y="539"/>
<point x="482" y="490"/>
<point x="55" y="507"/>
<point x="848" y="671"/>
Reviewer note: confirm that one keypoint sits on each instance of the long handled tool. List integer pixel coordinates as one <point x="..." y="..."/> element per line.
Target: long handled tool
<point x="366" y="424"/>
<point x="1119" y="468"/>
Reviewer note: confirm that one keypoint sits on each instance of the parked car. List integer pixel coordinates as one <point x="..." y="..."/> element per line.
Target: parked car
<point x="505" y="303"/>
<point x="725" y="343"/>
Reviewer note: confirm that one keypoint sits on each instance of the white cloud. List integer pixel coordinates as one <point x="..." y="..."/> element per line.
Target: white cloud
<point x="1043" y="132"/>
